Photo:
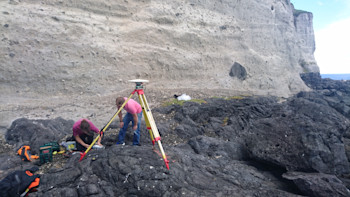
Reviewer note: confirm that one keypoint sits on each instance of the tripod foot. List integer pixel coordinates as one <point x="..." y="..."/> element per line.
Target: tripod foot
<point x="82" y="155"/>
<point x="166" y="163"/>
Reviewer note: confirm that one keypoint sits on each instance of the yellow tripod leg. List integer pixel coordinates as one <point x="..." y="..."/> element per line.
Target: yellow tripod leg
<point x="154" y="129"/>
<point x="148" y="125"/>
<point x="82" y="155"/>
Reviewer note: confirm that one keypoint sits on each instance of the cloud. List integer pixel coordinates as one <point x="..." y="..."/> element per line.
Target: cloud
<point x="333" y="48"/>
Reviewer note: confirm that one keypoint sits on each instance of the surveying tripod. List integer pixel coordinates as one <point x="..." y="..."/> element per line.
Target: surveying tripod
<point x="150" y="124"/>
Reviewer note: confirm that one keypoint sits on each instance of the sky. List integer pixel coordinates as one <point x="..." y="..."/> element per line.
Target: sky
<point x="331" y="20"/>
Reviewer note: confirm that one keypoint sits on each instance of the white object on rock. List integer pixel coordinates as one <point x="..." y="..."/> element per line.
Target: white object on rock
<point x="139" y="81"/>
<point x="184" y="97"/>
<point x="97" y="147"/>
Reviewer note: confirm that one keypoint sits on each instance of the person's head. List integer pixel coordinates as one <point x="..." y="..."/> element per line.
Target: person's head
<point x="119" y="101"/>
<point x="85" y="127"/>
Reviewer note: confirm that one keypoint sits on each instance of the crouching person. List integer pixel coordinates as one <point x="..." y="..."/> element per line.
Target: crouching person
<point x="83" y="132"/>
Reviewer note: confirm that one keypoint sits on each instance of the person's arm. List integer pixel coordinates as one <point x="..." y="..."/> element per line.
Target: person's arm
<point x="120" y="116"/>
<point x="80" y="141"/>
<point x="121" y="119"/>
<point x="99" y="140"/>
<point x="135" y="121"/>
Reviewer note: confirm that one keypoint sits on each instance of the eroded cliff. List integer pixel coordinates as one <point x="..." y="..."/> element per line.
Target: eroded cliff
<point x="57" y="47"/>
<point x="72" y="58"/>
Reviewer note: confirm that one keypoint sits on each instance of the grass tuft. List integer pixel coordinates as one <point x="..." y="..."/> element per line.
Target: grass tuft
<point x="177" y="102"/>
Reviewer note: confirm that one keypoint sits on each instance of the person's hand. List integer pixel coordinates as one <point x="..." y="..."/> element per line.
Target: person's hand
<point x="121" y="124"/>
<point x="99" y="143"/>
<point x="134" y="127"/>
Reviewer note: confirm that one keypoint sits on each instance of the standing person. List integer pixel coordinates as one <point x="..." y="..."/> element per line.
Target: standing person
<point x="83" y="134"/>
<point x="134" y="114"/>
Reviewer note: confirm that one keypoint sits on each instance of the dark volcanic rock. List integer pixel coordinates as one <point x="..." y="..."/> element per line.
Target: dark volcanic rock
<point x="237" y="147"/>
<point x="140" y="171"/>
<point x="297" y="134"/>
<point x="334" y="93"/>
<point x="318" y="184"/>
<point x="301" y="135"/>
<point x="37" y="132"/>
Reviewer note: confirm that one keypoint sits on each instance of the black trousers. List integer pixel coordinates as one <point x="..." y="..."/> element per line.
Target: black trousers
<point x="87" y="139"/>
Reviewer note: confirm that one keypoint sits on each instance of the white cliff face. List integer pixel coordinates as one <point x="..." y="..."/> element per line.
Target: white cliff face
<point x="306" y="40"/>
<point x="55" y="48"/>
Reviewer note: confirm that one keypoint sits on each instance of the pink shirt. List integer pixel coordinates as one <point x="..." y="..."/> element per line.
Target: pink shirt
<point x="132" y="106"/>
<point x="78" y="131"/>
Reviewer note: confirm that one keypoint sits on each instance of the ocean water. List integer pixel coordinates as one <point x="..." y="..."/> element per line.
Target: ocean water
<point x="336" y="76"/>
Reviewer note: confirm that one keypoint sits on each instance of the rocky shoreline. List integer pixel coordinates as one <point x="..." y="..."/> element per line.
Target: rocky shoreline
<point x="242" y="146"/>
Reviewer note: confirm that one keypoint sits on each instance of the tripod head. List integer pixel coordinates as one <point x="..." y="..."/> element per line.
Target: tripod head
<point x="139" y="82"/>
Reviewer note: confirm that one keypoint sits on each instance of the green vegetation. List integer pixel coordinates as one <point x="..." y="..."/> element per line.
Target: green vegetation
<point x="231" y="97"/>
<point x="304" y="64"/>
<point x="200" y="101"/>
<point x="234" y="97"/>
<point x="177" y="102"/>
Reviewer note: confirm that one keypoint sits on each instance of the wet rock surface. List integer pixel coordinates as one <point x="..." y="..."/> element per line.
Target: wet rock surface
<point x="242" y="146"/>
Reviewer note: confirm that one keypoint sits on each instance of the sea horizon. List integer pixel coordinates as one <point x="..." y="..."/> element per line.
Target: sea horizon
<point x="342" y="76"/>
